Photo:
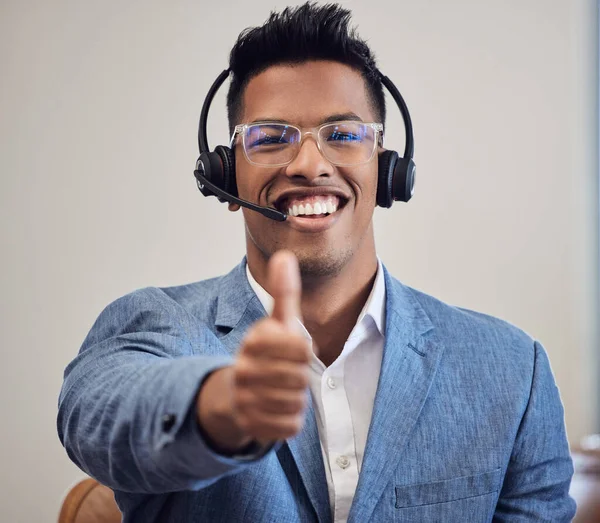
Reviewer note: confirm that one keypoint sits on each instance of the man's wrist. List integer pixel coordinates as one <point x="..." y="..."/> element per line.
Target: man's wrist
<point x="215" y="416"/>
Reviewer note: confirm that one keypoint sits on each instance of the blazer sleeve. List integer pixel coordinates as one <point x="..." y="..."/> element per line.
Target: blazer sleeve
<point x="127" y="406"/>
<point x="536" y="484"/>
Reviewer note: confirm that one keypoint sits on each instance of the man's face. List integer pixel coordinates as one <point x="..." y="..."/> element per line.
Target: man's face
<point x="306" y="95"/>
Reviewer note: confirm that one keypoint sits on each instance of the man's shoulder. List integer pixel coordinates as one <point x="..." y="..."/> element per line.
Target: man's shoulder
<point x="195" y="302"/>
<point x="199" y="294"/>
<point x="190" y="295"/>
<point x="466" y="330"/>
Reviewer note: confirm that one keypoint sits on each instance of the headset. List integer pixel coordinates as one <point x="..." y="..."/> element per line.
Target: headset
<point x="215" y="170"/>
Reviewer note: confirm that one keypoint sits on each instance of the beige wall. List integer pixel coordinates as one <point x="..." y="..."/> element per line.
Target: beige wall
<point x="99" y="105"/>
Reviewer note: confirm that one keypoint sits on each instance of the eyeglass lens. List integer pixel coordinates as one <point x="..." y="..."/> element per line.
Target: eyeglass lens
<point x="347" y="143"/>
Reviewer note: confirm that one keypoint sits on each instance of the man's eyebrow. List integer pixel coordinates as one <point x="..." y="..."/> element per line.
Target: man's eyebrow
<point x="338" y="117"/>
<point x="341" y="117"/>
<point x="267" y="119"/>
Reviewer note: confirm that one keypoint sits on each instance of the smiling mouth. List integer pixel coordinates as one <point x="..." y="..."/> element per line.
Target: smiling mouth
<point x="310" y="207"/>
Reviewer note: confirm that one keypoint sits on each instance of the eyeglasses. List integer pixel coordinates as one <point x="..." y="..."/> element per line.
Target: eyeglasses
<point x="272" y="144"/>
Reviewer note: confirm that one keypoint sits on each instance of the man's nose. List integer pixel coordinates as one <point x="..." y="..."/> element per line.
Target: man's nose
<point x="309" y="163"/>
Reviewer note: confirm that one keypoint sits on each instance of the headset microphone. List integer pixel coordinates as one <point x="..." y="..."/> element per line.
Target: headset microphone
<point x="202" y="182"/>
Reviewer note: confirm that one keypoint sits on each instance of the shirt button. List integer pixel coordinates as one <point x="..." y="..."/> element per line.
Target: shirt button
<point x="331" y="383"/>
<point x="343" y="462"/>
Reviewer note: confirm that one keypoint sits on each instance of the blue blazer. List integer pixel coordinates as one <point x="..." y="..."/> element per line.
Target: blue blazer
<point x="467" y="423"/>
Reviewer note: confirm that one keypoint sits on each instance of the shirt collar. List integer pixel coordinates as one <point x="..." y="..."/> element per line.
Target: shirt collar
<point x="374" y="307"/>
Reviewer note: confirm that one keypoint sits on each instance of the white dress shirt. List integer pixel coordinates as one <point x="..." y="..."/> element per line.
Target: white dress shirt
<point x="343" y="395"/>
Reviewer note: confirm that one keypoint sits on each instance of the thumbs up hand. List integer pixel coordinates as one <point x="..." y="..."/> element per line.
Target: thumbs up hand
<point x="286" y="287"/>
<point x="262" y="396"/>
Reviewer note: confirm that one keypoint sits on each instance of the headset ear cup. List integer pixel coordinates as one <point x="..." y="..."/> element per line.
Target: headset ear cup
<point x="385" y="177"/>
<point x="227" y="173"/>
<point x="212" y="171"/>
<point x="403" y="184"/>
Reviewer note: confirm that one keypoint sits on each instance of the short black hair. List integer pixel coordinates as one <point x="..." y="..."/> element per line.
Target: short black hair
<point x="296" y="35"/>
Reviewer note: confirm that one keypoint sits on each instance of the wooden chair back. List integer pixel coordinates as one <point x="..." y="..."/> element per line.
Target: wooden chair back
<point x="89" y="502"/>
<point x="585" y="486"/>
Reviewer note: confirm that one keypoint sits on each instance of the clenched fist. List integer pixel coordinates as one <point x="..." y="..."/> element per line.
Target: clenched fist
<point x="262" y="396"/>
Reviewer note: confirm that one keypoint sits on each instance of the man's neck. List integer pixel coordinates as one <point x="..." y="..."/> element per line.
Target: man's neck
<point x="331" y="304"/>
<point x="331" y="309"/>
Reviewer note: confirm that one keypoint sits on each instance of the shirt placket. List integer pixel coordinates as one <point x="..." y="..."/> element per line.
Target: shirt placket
<point x="340" y="439"/>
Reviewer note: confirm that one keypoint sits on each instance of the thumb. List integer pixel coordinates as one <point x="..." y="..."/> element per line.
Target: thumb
<point x="285" y="287"/>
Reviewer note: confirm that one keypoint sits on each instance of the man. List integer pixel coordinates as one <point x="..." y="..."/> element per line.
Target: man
<point x="308" y="384"/>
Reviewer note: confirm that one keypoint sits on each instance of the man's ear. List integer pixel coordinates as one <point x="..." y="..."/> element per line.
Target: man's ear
<point x="233" y="207"/>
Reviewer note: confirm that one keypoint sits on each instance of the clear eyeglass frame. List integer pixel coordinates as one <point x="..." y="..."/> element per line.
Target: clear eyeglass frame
<point x="315" y="133"/>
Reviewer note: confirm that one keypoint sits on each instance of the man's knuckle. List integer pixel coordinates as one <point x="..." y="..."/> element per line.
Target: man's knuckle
<point x="292" y="427"/>
<point x="242" y="375"/>
<point x="301" y="403"/>
<point x="302" y="379"/>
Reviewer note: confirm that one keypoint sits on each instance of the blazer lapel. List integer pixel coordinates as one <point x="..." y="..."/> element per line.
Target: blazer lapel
<point x="306" y="450"/>
<point x="409" y="364"/>
<point x="238" y="308"/>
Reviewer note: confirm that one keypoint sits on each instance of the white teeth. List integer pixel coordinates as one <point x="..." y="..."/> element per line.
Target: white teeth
<point x="308" y="209"/>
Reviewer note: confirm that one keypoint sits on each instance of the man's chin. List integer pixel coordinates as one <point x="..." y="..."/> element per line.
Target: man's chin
<point x="320" y="264"/>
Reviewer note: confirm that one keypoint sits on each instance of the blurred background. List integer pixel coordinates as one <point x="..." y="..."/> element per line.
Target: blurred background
<point x="99" y="105"/>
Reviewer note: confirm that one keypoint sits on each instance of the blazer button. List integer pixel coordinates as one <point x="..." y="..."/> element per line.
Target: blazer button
<point x="168" y="420"/>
